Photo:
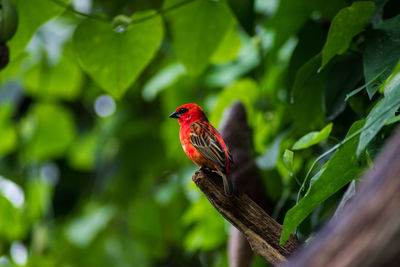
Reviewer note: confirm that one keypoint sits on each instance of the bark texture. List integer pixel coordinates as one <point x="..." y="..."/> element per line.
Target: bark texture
<point x="239" y="138"/>
<point x="262" y="231"/>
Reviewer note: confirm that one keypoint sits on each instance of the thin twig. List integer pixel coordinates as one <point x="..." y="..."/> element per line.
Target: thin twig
<point x="139" y="20"/>
<point x="71" y="9"/>
<point x="162" y="11"/>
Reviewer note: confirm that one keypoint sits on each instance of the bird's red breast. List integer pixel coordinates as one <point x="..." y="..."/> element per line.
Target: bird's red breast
<point x="201" y="142"/>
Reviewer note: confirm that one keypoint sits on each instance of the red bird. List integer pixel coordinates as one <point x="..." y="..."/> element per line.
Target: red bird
<point x="203" y="144"/>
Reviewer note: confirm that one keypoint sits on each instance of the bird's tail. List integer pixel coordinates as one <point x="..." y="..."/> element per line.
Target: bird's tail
<point x="229" y="188"/>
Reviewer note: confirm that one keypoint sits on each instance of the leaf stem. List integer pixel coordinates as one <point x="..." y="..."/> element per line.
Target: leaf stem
<point x="359" y="89"/>
<point x="71" y="9"/>
<point x="105" y="19"/>
<point x="162" y="11"/>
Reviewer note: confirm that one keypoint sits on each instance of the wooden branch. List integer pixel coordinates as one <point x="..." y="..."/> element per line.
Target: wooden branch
<point x="367" y="232"/>
<point x="238" y="135"/>
<point x="262" y="231"/>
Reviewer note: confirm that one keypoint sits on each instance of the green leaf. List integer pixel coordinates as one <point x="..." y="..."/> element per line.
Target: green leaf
<point x="313" y="138"/>
<point x="82" y="230"/>
<point x="207" y="231"/>
<point x="347" y="196"/>
<point x="62" y="80"/>
<point x="226" y="74"/>
<point x="165" y="78"/>
<point x="114" y="58"/>
<point x="229" y="47"/>
<point x="367" y="83"/>
<point x="244" y="11"/>
<point x="307" y="109"/>
<point x="288" y="19"/>
<point x="311" y="38"/>
<point x="38" y="198"/>
<point x="326" y="11"/>
<point x="47" y="131"/>
<point x="8" y="133"/>
<point x="12" y="223"/>
<point x="288" y="156"/>
<point x="376" y="144"/>
<point x="245" y="90"/>
<point x="392" y="81"/>
<point x="390" y="26"/>
<point x="382" y="51"/>
<point x="393" y="120"/>
<point x="82" y="154"/>
<point x="12" y="200"/>
<point x="8" y="139"/>
<point x="150" y="232"/>
<point x="13" y="68"/>
<point x="345" y="25"/>
<point x="382" y="112"/>
<point x="341" y="168"/>
<point x="31" y="14"/>
<point x="343" y="74"/>
<point x="197" y="29"/>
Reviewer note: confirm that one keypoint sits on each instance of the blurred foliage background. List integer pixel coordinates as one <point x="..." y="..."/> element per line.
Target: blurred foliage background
<point x="91" y="169"/>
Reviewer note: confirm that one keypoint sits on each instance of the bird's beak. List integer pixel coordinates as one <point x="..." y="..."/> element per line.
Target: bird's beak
<point x="174" y="115"/>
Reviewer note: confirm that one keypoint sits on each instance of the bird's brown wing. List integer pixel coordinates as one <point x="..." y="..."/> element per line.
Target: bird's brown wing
<point x="202" y="137"/>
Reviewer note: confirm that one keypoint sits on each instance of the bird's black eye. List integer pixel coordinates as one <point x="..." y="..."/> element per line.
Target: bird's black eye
<point x="182" y="110"/>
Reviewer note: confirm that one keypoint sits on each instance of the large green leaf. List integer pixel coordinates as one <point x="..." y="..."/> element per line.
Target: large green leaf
<point x="341" y="168"/>
<point x="229" y="47"/>
<point x="382" y="112"/>
<point x="292" y="14"/>
<point x="313" y="138"/>
<point x="288" y="19"/>
<point x="115" y="57"/>
<point x="244" y="90"/>
<point x="307" y="109"/>
<point x="197" y="29"/>
<point x="311" y="38"/>
<point x="343" y="74"/>
<point x="244" y="11"/>
<point x="62" y="80"/>
<point x="32" y="14"/>
<point x="382" y="51"/>
<point x="47" y="131"/>
<point x="390" y="26"/>
<point x="345" y="25"/>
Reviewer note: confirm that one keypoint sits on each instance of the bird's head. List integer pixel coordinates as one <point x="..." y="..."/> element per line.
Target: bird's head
<point x="188" y="113"/>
